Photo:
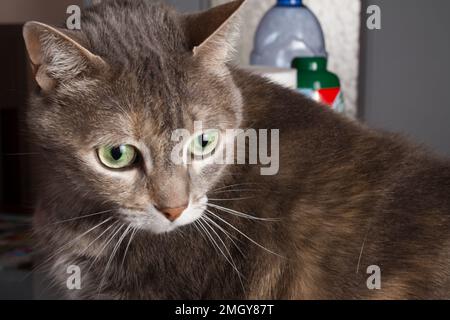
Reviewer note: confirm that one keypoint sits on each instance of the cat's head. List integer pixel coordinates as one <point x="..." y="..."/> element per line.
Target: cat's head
<point x="112" y="95"/>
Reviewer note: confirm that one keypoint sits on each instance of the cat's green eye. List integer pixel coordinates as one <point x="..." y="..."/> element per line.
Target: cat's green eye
<point x="205" y="143"/>
<point x="118" y="157"/>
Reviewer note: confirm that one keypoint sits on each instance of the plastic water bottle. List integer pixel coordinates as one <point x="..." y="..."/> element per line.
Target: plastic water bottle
<point x="287" y="31"/>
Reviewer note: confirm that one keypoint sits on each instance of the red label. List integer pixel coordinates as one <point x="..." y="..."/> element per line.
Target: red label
<point x="328" y="96"/>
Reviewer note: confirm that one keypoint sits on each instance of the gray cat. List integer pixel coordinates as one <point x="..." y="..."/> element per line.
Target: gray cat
<point x="138" y="226"/>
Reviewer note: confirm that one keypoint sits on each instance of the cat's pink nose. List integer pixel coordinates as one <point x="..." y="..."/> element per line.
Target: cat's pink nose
<point x="173" y="213"/>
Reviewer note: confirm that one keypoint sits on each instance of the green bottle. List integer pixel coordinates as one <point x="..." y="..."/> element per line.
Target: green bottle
<point x="317" y="83"/>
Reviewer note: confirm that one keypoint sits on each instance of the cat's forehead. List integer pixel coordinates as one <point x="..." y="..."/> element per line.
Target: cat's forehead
<point x="131" y="109"/>
<point x="128" y="115"/>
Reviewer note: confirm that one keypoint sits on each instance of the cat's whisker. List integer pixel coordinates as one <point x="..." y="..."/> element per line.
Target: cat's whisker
<point x="362" y="247"/>
<point x="241" y="214"/>
<point x="199" y="230"/>
<point x="95" y="240"/>
<point x="35" y="232"/>
<point x="212" y="241"/>
<point x="61" y="249"/>
<point x="224" y="245"/>
<point x="51" y="283"/>
<point x="202" y="227"/>
<point x="243" y="234"/>
<point x="230" y="260"/>
<point x="248" y="190"/>
<point x="226" y="233"/>
<point x="133" y="233"/>
<point x="228" y="257"/>
<point x="232" y="199"/>
<point x="112" y="225"/>
<point x="113" y="254"/>
<point x="115" y="232"/>
<point x="180" y="232"/>
<point x="236" y="185"/>
<point x="234" y="191"/>
<point x="82" y="217"/>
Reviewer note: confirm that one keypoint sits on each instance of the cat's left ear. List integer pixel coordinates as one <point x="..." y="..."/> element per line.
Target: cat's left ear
<point x="212" y="33"/>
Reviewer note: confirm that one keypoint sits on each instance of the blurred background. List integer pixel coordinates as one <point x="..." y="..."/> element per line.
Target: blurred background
<point x="395" y="78"/>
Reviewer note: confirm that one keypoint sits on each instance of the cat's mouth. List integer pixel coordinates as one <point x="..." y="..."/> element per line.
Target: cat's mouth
<point x="154" y="220"/>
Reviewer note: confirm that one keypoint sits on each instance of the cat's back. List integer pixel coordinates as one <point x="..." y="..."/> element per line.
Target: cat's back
<point x="391" y="196"/>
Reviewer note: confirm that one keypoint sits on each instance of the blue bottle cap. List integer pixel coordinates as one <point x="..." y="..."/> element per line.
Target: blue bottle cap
<point x="289" y="3"/>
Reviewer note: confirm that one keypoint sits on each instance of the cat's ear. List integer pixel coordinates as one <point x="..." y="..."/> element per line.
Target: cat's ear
<point x="57" y="55"/>
<point x="212" y="33"/>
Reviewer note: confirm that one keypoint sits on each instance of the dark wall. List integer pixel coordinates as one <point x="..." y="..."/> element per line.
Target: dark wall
<point x="14" y="158"/>
<point x="406" y="71"/>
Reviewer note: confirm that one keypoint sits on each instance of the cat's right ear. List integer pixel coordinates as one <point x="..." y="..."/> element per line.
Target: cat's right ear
<point x="57" y="55"/>
<point x="212" y="33"/>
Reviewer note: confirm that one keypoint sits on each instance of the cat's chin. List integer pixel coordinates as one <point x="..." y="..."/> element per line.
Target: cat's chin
<point x="155" y="222"/>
